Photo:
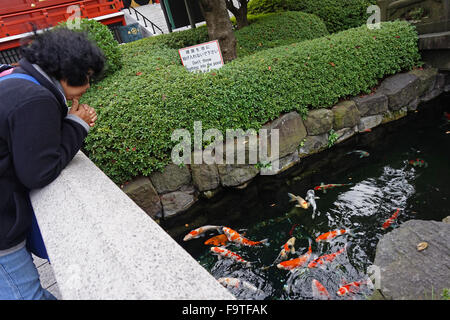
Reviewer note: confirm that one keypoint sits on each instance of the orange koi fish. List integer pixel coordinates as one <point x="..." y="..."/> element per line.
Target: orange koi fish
<point x="319" y="291"/>
<point x="297" y="262"/>
<point x="235" y="237"/>
<point x="325" y="258"/>
<point x="324" y="187"/>
<point x="217" y="241"/>
<point x="331" y="234"/>
<point x="194" y="234"/>
<point x="237" y="283"/>
<point x="301" y="202"/>
<point x="351" y="287"/>
<point x="390" y="220"/>
<point x="225" y="253"/>
<point x="287" y="248"/>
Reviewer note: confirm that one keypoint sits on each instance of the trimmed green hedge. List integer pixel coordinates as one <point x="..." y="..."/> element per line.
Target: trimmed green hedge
<point x="338" y="15"/>
<point x="276" y="29"/>
<point x="265" y="31"/>
<point x="140" y="105"/>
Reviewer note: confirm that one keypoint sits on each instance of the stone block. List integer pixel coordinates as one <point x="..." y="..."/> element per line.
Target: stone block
<point x="235" y="175"/>
<point x="369" y="122"/>
<point x="142" y="192"/>
<point x="371" y="104"/>
<point x="178" y="201"/>
<point x="319" y="121"/>
<point x="205" y="176"/>
<point x="346" y="115"/>
<point x="394" y="115"/>
<point x="291" y="132"/>
<point x="400" y="89"/>
<point x="427" y="79"/>
<point x="171" y="179"/>
<point x="283" y="164"/>
<point x="314" y="144"/>
<point x="345" y="133"/>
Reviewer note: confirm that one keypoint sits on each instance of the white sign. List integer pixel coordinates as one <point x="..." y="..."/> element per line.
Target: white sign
<point x="202" y="57"/>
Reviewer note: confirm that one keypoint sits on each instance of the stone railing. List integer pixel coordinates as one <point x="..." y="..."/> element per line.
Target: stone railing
<point x="173" y="191"/>
<point x="101" y="245"/>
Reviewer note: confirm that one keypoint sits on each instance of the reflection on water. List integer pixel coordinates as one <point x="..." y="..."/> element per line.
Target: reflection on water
<point x="381" y="183"/>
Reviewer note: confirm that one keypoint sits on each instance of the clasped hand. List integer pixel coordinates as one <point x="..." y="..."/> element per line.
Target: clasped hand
<point x="84" y="111"/>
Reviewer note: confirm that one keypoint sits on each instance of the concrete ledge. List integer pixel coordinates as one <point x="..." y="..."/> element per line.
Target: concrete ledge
<point x="103" y="246"/>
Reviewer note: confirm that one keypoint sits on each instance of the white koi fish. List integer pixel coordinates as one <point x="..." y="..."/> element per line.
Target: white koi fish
<point x="194" y="234"/>
<point x="225" y="253"/>
<point x="237" y="283"/>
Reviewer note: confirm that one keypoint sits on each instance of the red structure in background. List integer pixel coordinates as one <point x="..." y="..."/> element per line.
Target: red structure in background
<point x="17" y="16"/>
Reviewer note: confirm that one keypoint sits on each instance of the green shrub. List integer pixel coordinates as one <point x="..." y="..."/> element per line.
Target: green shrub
<point x="276" y="29"/>
<point x="338" y="15"/>
<point x="181" y="39"/>
<point x="104" y="39"/>
<point x="265" y="31"/>
<point x="265" y="6"/>
<point x="140" y="105"/>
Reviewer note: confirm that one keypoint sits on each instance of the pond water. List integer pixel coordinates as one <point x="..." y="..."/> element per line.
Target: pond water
<point x="381" y="184"/>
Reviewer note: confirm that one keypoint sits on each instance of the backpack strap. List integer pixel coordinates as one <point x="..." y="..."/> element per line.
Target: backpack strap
<point x="4" y="67"/>
<point x="19" y="76"/>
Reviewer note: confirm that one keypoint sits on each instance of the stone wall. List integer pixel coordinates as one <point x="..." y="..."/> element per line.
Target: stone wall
<point x="173" y="191"/>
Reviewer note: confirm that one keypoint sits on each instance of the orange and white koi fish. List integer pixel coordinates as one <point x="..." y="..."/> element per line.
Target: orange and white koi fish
<point x="325" y="187"/>
<point x="391" y="219"/>
<point x="287" y="248"/>
<point x="352" y="287"/>
<point x="225" y="253"/>
<point x="325" y="258"/>
<point x="194" y="234"/>
<point x="237" y="283"/>
<point x="319" y="291"/>
<point x="217" y="241"/>
<point x="235" y="237"/>
<point x="301" y="202"/>
<point x="332" y="234"/>
<point x="297" y="262"/>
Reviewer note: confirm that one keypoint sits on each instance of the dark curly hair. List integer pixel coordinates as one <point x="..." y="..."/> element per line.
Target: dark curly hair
<point x="65" y="54"/>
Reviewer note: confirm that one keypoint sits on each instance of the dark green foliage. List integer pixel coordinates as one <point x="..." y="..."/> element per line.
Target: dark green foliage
<point x="265" y="31"/>
<point x="141" y="104"/>
<point x="338" y="15"/>
<point x="266" y="6"/>
<point x="186" y="38"/>
<point x="104" y="39"/>
<point x="276" y="29"/>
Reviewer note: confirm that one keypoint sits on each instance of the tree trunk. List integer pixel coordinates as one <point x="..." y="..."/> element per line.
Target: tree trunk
<point x="239" y="13"/>
<point x="219" y="27"/>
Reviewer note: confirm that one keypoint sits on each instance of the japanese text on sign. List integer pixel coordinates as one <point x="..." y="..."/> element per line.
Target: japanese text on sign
<point x="202" y="57"/>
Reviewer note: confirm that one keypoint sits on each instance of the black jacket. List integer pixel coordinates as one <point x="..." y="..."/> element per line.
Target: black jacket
<point x="36" y="144"/>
